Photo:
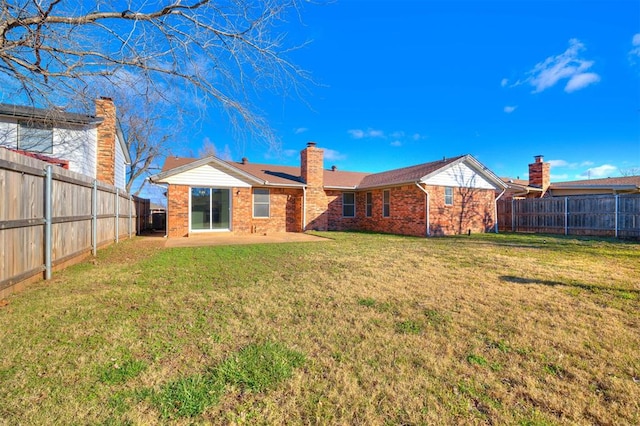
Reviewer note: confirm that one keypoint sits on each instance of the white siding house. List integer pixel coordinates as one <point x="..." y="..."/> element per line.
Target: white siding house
<point x="65" y="137"/>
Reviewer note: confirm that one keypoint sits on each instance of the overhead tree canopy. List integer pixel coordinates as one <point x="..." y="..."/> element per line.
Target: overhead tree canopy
<point x="191" y="53"/>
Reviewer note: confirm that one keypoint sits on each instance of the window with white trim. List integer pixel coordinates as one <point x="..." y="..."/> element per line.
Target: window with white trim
<point x="369" y="204"/>
<point x="35" y="137"/>
<point x="348" y="204"/>
<point x="261" y="202"/>
<point x="448" y="196"/>
<point x="386" y="203"/>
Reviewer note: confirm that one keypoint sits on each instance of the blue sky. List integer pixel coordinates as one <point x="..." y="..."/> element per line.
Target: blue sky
<point x="407" y="82"/>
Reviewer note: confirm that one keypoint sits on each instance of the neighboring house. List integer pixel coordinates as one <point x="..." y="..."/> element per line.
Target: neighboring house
<point x="540" y="185"/>
<point x="451" y="196"/>
<point x="92" y="145"/>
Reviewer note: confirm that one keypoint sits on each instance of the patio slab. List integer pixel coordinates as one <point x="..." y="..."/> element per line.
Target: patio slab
<point x="227" y="238"/>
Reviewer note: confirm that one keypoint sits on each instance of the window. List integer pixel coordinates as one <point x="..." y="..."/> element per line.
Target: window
<point x="348" y="204"/>
<point x="448" y="196"/>
<point x="35" y="137"/>
<point x="386" y="203"/>
<point x="260" y="202"/>
<point x="369" y="207"/>
<point x="210" y="209"/>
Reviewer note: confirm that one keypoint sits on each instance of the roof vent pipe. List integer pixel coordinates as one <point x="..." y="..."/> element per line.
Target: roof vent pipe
<point x="334" y="168"/>
<point x="245" y="160"/>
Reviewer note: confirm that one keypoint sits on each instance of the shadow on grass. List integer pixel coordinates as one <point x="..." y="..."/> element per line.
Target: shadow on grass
<point x="589" y="287"/>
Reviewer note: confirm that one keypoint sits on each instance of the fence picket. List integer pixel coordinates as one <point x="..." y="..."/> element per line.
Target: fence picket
<point x="605" y="215"/>
<point x="82" y="215"/>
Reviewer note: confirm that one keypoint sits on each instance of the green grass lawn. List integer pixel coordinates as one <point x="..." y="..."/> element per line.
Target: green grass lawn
<point x="360" y="329"/>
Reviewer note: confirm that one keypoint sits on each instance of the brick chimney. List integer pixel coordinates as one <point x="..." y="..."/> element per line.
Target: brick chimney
<point x="316" y="202"/>
<point x="311" y="163"/>
<point x="539" y="173"/>
<point x="106" y="143"/>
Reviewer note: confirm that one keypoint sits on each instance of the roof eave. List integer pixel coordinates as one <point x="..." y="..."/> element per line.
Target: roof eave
<point x="202" y="162"/>
<point x="54" y="116"/>
<point x="591" y="187"/>
<point x="475" y="164"/>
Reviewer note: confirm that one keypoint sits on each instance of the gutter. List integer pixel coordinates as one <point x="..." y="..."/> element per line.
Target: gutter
<point x="495" y="208"/>
<point x="427" y="211"/>
<point x="304" y="208"/>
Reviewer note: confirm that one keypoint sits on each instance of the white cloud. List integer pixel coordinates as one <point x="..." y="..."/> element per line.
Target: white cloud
<point x="356" y="133"/>
<point x="299" y="130"/>
<point x="397" y="134"/>
<point x="561" y="177"/>
<point x="396" y="143"/>
<point x="598" y="172"/>
<point x="509" y="109"/>
<point x="369" y="133"/>
<point x="587" y="163"/>
<point x="567" y="65"/>
<point x="417" y="136"/>
<point x="580" y="81"/>
<point x="333" y="155"/>
<point x="635" y="52"/>
<point x="558" y="163"/>
<point x="504" y="82"/>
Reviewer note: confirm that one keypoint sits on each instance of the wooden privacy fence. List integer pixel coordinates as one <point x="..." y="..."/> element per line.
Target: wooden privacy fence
<point x="604" y="215"/>
<point x="50" y="217"/>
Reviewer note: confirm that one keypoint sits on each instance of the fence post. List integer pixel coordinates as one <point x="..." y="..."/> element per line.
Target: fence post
<point x="566" y="215"/>
<point x="94" y="220"/>
<point x="617" y="213"/>
<point x="47" y="221"/>
<point x="513" y="217"/>
<point x="117" y="214"/>
<point x="130" y="201"/>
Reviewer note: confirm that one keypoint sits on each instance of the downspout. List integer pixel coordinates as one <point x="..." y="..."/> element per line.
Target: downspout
<point x="427" y="211"/>
<point x="495" y="208"/>
<point x="304" y="208"/>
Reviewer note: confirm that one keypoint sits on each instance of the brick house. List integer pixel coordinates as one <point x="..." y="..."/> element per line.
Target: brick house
<point x="539" y="184"/>
<point x="92" y="145"/>
<point x="450" y="196"/>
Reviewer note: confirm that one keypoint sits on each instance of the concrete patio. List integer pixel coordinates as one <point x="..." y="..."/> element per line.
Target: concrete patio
<point x="228" y="238"/>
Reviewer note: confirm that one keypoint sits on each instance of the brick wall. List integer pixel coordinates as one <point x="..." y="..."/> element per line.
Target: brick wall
<point x="407" y="207"/>
<point x="106" y="143"/>
<point x="285" y="211"/>
<point x="317" y="202"/>
<point x="178" y="211"/>
<point x="472" y="209"/>
<point x="540" y="173"/>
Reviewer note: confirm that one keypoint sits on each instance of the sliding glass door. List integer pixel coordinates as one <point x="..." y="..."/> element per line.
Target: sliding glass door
<point x="210" y="209"/>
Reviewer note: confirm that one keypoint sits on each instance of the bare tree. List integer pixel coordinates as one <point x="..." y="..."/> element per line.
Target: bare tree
<point x="181" y="53"/>
<point x="632" y="171"/>
<point x="208" y="149"/>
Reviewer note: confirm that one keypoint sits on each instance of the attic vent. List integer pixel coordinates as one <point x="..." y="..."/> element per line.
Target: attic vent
<point x="245" y="160"/>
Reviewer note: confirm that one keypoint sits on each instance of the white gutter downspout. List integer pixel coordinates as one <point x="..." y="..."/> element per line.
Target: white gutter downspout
<point x="495" y="207"/>
<point x="427" y="212"/>
<point x="304" y="208"/>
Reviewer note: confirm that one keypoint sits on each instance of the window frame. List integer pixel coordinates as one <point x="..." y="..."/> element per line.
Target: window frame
<point x="448" y="196"/>
<point x="353" y="204"/>
<point x="264" y="191"/>
<point x="386" y="203"/>
<point x="368" y="201"/>
<point x="24" y="127"/>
